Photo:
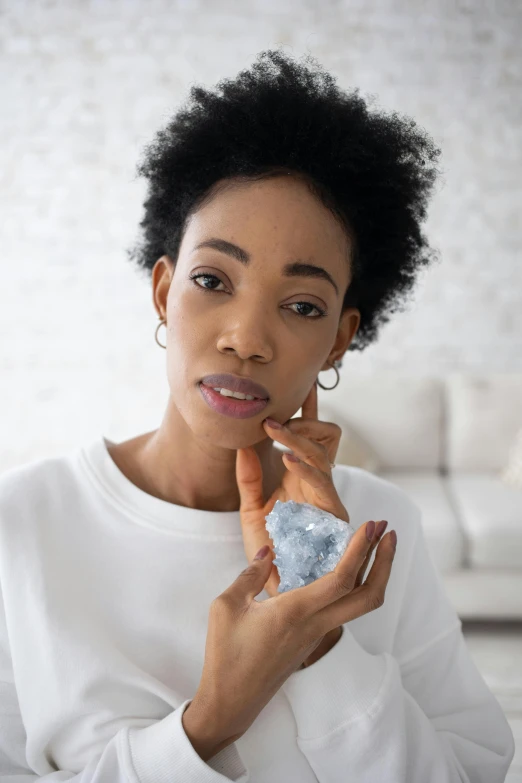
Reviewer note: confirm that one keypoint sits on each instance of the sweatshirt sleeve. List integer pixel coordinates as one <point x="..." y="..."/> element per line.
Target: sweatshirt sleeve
<point x="421" y="713"/>
<point x="159" y="753"/>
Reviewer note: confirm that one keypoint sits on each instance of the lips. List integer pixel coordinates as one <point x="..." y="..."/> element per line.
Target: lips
<point x="236" y="383"/>
<point x="230" y="406"/>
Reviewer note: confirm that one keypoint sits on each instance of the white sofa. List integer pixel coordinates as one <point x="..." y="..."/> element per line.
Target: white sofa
<point x="445" y="441"/>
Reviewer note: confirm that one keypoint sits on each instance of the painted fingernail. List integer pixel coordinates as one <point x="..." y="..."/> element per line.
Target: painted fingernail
<point x="393" y="536"/>
<point x="381" y="527"/>
<point x="292" y="457"/>
<point x="274" y="424"/>
<point x="370" y="529"/>
<point x="262" y="552"/>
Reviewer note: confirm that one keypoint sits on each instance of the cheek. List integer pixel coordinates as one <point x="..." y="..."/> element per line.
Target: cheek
<point x="187" y="347"/>
<point x="186" y="325"/>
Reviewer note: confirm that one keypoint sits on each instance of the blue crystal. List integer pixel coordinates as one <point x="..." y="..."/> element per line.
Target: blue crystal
<point x="308" y="542"/>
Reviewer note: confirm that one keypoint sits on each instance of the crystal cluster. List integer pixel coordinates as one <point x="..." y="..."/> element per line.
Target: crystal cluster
<point x="308" y="542"/>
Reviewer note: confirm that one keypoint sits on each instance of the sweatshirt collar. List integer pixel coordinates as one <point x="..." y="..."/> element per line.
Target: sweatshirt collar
<point x="148" y="509"/>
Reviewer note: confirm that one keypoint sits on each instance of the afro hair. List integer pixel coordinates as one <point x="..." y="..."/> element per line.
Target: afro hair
<point x="373" y="171"/>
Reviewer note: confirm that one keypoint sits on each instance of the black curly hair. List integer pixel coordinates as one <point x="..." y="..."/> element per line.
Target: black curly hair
<point x="374" y="172"/>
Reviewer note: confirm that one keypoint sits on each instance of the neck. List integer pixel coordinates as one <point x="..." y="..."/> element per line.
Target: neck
<point x="173" y="465"/>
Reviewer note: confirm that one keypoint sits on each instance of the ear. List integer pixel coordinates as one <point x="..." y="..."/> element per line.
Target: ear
<point x="162" y="272"/>
<point x="346" y="331"/>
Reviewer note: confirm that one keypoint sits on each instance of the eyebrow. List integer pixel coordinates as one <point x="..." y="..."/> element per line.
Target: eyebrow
<point x="296" y="268"/>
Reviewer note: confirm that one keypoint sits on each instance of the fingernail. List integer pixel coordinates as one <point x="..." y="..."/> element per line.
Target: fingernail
<point x="381" y="527"/>
<point x="393" y="536"/>
<point x="370" y="529"/>
<point x="274" y="424"/>
<point x="262" y="552"/>
<point x="292" y="457"/>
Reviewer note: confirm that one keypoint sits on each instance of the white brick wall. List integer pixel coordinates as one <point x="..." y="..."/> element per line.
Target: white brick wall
<point x="86" y="85"/>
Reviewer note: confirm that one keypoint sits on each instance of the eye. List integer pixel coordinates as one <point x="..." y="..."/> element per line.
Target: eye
<point x="204" y="274"/>
<point x="309" y="304"/>
<point x="320" y="310"/>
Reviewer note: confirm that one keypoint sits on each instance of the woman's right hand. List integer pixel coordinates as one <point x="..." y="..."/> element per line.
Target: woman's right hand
<point x="252" y="646"/>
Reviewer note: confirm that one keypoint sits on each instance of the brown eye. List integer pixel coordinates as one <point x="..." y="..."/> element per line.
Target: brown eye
<point x="207" y="275"/>
<point x="204" y="274"/>
<point x="309" y="304"/>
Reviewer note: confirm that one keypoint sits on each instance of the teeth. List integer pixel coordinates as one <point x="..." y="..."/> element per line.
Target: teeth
<point x="237" y="395"/>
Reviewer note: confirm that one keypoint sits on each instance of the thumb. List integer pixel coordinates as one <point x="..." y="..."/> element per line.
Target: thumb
<point x="252" y="580"/>
<point x="249" y="477"/>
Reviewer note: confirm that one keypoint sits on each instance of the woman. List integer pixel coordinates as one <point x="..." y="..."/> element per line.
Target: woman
<point x="281" y="227"/>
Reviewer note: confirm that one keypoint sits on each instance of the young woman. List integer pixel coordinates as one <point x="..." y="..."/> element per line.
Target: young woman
<point x="141" y="641"/>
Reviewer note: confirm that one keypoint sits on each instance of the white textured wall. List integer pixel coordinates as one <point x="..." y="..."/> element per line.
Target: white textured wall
<point x="85" y="85"/>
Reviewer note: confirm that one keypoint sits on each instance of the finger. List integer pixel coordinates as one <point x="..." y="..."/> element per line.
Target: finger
<point x="322" y="483"/>
<point x="366" y="598"/>
<point x="314" y="429"/>
<point x="252" y="579"/>
<point x="327" y="433"/>
<point x="309" y="406"/>
<point x="310" y="451"/>
<point x="379" y="532"/>
<point x="310" y="599"/>
<point x="249" y="475"/>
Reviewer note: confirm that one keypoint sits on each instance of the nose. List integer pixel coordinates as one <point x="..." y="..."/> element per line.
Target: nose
<point x="246" y="332"/>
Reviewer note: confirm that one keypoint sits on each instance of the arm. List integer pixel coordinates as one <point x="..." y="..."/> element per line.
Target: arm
<point x="159" y="753"/>
<point x="162" y="752"/>
<point x="423" y="713"/>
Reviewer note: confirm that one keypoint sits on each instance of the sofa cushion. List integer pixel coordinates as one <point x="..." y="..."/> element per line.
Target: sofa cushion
<point x="353" y="448"/>
<point x="443" y="535"/>
<point x="485" y="594"/>
<point x="512" y="473"/>
<point x="483" y="414"/>
<point x="490" y="514"/>
<point x="399" y="416"/>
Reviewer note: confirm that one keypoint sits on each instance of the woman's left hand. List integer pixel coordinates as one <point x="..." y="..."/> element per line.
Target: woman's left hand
<point x="307" y="481"/>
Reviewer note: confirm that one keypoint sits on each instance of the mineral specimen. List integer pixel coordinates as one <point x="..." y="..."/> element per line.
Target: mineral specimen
<point x="308" y="542"/>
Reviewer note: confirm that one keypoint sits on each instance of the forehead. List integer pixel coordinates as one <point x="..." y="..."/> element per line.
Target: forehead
<point x="279" y="214"/>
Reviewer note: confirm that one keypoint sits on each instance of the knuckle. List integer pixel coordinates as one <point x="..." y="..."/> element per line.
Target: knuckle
<point x="315" y="630"/>
<point x="343" y="583"/>
<point x="248" y="572"/>
<point x="222" y="603"/>
<point x="293" y="619"/>
<point x="219" y="602"/>
<point x="293" y="615"/>
<point x="374" y="600"/>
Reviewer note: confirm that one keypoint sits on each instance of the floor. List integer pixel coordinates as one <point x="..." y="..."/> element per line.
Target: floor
<point x="497" y="650"/>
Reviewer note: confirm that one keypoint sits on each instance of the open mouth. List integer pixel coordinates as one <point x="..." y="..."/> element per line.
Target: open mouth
<point x="232" y="396"/>
<point x="231" y="406"/>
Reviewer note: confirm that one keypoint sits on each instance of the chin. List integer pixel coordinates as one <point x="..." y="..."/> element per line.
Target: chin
<point x="234" y="433"/>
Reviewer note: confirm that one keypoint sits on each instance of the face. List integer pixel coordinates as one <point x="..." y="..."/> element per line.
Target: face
<point x="250" y="319"/>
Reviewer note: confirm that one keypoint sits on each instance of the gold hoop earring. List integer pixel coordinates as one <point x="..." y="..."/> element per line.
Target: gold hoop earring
<point x="162" y="321"/>
<point x="334" y="366"/>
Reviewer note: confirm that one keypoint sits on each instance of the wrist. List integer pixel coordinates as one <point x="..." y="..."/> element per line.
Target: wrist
<point x="328" y="641"/>
<point x="203" y="732"/>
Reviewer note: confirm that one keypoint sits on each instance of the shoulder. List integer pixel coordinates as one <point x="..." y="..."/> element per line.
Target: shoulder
<point x="369" y="496"/>
<point x="415" y="593"/>
<point x="369" y="492"/>
<point x="34" y="487"/>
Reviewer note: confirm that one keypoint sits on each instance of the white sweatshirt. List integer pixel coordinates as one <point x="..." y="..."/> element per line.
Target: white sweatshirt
<point x="105" y="592"/>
